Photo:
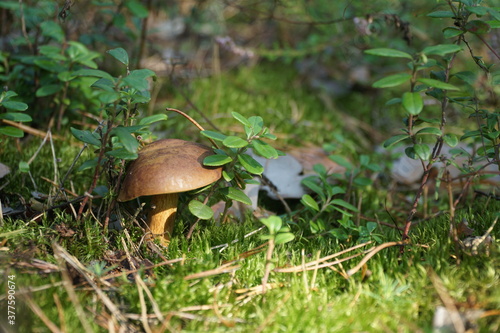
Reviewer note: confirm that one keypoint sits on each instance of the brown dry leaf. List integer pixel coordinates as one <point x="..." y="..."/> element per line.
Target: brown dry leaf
<point x="463" y="229"/>
<point x="64" y="231"/>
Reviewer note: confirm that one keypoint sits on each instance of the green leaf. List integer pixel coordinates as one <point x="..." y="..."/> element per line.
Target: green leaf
<point x="86" y="136"/>
<point x="467" y="77"/>
<point x="340" y="160"/>
<point x="495" y="13"/>
<point x="241" y="119"/>
<point x="392" y="80"/>
<point x="362" y="181"/>
<point x="108" y="97"/>
<point x="477" y="27"/>
<point x="442" y="49"/>
<point x="345" y="204"/>
<point x="384" y="52"/>
<point x="250" y="164"/>
<point x="104" y="84"/>
<point x="200" y="210"/>
<point x="441" y="14"/>
<point x="16" y="116"/>
<point x="450" y="139"/>
<point x="430" y="130"/>
<point x="48" y="90"/>
<point x="122" y="154"/>
<point x="308" y="201"/>
<point x="234" y="142"/>
<point x="478" y="10"/>
<point x="395" y="139"/>
<point x="273" y="223"/>
<point x="256" y="124"/>
<point x="89" y="164"/>
<point x="214" y="135"/>
<point x="137" y="79"/>
<point x="119" y="54"/>
<point x="423" y="151"/>
<point x="153" y="119"/>
<point x="52" y="30"/>
<point x="217" y="160"/>
<point x="24" y="167"/>
<point x="412" y="102"/>
<point x="94" y="73"/>
<point x="283" y="237"/>
<point x="128" y="141"/>
<point x="451" y="32"/>
<point x="437" y="84"/>
<point x="263" y="149"/>
<point x="312" y="185"/>
<point x="238" y="195"/>
<point x="16" y="106"/>
<point x="137" y="9"/>
<point x="11" y="131"/>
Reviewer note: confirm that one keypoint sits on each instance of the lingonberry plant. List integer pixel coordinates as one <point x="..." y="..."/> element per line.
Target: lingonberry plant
<point x="432" y="75"/>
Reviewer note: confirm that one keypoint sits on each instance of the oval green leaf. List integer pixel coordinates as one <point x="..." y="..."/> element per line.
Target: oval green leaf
<point x="423" y="151"/>
<point x="200" y="210"/>
<point x="119" y="54"/>
<point x="216" y="160"/>
<point x="395" y="139"/>
<point x="238" y="195"/>
<point x="47" y="90"/>
<point x="430" y="130"/>
<point x="250" y="164"/>
<point x="477" y="27"/>
<point x="85" y="136"/>
<point x="214" y="135"/>
<point x="385" y="52"/>
<point x="450" y="139"/>
<point x="437" y="84"/>
<point x="16" y="106"/>
<point x="283" y="237"/>
<point x="308" y="201"/>
<point x="442" y="49"/>
<point x="241" y="119"/>
<point x="11" y="131"/>
<point x="263" y="149"/>
<point x="234" y="142"/>
<point x="392" y="80"/>
<point x="412" y="102"/>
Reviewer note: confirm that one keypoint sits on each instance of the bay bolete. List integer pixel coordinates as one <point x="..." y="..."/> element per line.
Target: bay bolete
<point x="163" y="169"/>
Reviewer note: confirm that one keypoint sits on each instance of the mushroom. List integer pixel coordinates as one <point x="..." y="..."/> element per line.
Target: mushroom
<point x="163" y="169"/>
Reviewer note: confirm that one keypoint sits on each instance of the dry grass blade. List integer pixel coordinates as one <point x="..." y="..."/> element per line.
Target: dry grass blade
<point x="73" y="262"/>
<point x="447" y="301"/>
<point x="220" y="270"/>
<point x="373" y="251"/>
<point x="314" y="265"/>
<point x="38" y="311"/>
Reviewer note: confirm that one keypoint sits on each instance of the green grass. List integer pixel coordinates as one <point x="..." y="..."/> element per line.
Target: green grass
<point x="398" y="295"/>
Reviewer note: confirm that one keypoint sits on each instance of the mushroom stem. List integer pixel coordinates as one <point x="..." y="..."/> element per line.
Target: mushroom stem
<point x="161" y="218"/>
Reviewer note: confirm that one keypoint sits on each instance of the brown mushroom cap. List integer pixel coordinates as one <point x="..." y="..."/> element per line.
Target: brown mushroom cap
<point x="168" y="166"/>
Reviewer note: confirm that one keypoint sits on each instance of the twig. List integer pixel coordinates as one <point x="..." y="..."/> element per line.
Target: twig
<point x="373" y="252"/>
<point x="29" y="130"/>
<point x="195" y="123"/>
